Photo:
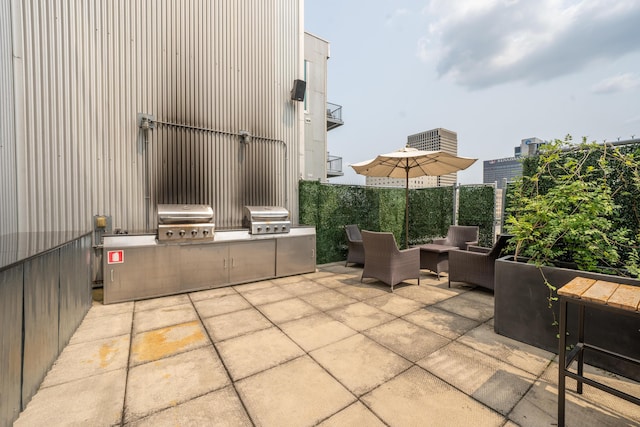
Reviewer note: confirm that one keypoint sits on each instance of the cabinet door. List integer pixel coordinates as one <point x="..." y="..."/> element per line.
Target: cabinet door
<point x="144" y="272"/>
<point x="253" y="260"/>
<point x="203" y="266"/>
<point x="296" y="255"/>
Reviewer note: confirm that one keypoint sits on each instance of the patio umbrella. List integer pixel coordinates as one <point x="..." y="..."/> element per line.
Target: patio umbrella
<point x="408" y="163"/>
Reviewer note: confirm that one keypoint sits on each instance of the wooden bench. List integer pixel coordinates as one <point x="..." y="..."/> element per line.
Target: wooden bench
<point x="601" y="295"/>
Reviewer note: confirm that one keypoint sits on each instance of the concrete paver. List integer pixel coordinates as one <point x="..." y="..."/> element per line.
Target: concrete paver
<point x="314" y="349"/>
<point x="286" y="310"/>
<point x="215" y="306"/>
<point x="442" y="322"/>
<point x="406" y="339"/>
<point x="95" y="400"/>
<point x="222" y="407"/>
<point x="257" y="351"/>
<point x="88" y="359"/>
<point x="296" y="393"/>
<point x="175" y="379"/>
<point x="360" y="363"/>
<point x="360" y="316"/>
<point x="416" y="397"/>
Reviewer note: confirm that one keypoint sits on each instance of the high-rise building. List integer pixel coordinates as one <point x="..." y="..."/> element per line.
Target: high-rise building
<point x="499" y="170"/>
<point x="432" y="140"/>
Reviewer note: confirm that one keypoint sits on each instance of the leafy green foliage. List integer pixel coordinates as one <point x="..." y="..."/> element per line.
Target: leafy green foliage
<point x="330" y="207"/>
<point x="477" y="207"/>
<point x="568" y="208"/>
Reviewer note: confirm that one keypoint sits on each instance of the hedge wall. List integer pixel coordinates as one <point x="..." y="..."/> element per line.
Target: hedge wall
<point x="329" y="207"/>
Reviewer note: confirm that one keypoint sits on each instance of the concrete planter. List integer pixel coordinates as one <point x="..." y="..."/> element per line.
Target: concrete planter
<point x="522" y="313"/>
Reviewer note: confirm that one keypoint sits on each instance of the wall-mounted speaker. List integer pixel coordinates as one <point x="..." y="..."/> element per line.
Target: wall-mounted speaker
<point x="299" y="87"/>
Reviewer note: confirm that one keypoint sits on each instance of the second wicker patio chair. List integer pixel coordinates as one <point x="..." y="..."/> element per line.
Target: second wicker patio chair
<point x="385" y="262"/>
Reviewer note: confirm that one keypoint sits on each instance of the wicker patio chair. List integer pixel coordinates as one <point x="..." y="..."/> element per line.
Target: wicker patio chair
<point x="385" y="262"/>
<point x="461" y="236"/>
<point x="355" y="252"/>
<point x="476" y="265"/>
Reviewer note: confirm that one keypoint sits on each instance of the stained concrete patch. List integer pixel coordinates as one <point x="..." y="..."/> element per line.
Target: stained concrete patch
<point x="316" y="331"/>
<point x="492" y="382"/>
<point x="468" y="307"/>
<point x="163" y="316"/>
<point x="407" y="339"/>
<point x="256" y="352"/>
<point x="425" y="294"/>
<point x="286" y="310"/>
<point x="327" y="299"/>
<point x="234" y="324"/>
<point x="360" y="316"/>
<point x="212" y="293"/>
<point x="354" y="415"/>
<point x="416" y="398"/>
<point x="96" y="328"/>
<point x="170" y="381"/>
<point x="220" y="305"/>
<point x="296" y="393"/>
<point x="222" y="407"/>
<point x="267" y="295"/>
<point x="395" y="304"/>
<point x="360" y="363"/>
<point x="528" y="358"/>
<point x="167" y="341"/>
<point x="154" y="303"/>
<point x="88" y="359"/>
<point x="317" y="275"/>
<point x="441" y="322"/>
<point x="302" y="287"/>
<point x="91" y="401"/>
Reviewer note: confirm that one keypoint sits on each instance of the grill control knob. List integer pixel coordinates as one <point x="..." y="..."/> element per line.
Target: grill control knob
<point x="267" y="228"/>
<point x="194" y="232"/>
<point x="275" y="228"/>
<point x="181" y="233"/>
<point x="169" y="233"/>
<point x="259" y="229"/>
<point x="284" y="228"/>
<point x="205" y="232"/>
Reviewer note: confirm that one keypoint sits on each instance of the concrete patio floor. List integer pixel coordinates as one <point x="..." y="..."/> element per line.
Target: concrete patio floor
<point x="315" y="349"/>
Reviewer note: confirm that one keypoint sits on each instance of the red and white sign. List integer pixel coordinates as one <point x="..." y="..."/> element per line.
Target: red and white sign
<point x="115" y="257"/>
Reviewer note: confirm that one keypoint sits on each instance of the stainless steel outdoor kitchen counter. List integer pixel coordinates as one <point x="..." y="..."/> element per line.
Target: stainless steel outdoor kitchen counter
<point x="138" y="266"/>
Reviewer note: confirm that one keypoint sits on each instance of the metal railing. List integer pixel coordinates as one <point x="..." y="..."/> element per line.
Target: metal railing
<point x="334" y="111"/>
<point x="334" y="165"/>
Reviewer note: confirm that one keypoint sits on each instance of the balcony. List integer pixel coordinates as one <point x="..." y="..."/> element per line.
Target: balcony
<point x="334" y="166"/>
<point x="334" y="116"/>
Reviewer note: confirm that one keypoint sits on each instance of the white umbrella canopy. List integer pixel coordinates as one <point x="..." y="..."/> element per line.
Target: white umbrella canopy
<point x="408" y="163"/>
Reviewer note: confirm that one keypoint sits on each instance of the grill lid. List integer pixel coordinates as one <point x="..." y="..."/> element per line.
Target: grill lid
<point x="265" y="213"/>
<point x="184" y="214"/>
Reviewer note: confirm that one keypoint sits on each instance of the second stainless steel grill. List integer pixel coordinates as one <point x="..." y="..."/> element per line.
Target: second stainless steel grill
<point x="266" y="219"/>
<point x="185" y="223"/>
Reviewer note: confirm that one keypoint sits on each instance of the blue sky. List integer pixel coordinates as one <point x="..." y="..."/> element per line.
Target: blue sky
<point x="494" y="71"/>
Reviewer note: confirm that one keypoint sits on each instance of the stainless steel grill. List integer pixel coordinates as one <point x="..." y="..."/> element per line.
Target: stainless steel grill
<point x="266" y="219"/>
<point x="185" y="223"/>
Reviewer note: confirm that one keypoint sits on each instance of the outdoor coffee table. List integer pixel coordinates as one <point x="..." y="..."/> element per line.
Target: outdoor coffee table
<point x="435" y="257"/>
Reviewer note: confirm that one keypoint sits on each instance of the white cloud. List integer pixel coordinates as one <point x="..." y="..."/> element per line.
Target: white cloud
<point x="482" y="43"/>
<point x="619" y="83"/>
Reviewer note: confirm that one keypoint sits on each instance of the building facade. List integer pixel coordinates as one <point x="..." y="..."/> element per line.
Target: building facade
<point x="113" y="107"/>
<point x="438" y="139"/>
<point x="499" y="171"/>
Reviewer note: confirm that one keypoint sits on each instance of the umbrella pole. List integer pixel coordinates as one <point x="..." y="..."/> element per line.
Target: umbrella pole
<point x="406" y="210"/>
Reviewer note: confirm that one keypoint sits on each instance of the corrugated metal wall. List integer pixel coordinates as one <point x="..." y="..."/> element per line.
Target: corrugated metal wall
<point x="91" y="66"/>
<point x="8" y="190"/>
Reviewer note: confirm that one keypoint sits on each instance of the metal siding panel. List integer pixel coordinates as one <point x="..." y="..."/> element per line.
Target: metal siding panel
<point x="11" y="349"/>
<point x="41" y="277"/>
<point x="8" y="171"/>
<point x="75" y="287"/>
<point x="90" y="67"/>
